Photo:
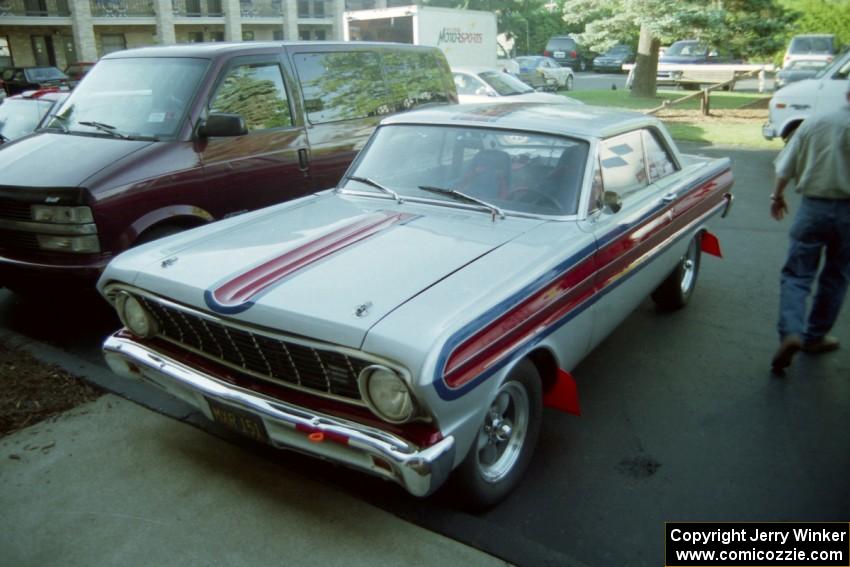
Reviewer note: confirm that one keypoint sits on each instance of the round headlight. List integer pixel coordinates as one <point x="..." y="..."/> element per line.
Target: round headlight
<point x="135" y="317"/>
<point x="387" y="394"/>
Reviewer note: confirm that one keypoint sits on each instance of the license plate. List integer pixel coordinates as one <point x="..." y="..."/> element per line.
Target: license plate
<point x="560" y="54"/>
<point x="240" y="421"/>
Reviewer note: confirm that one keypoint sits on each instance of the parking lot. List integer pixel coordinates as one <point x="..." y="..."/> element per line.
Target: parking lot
<point x="682" y="419"/>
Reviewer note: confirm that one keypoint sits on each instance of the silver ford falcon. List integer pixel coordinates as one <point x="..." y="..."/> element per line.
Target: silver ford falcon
<point x="413" y="321"/>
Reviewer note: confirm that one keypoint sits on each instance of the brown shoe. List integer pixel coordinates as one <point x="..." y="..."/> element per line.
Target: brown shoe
<point x="787" y="349"/>
<point x="823" y="344"/>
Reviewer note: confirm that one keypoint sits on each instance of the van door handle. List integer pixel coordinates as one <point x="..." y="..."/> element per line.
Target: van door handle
<point x="303" y="161"/>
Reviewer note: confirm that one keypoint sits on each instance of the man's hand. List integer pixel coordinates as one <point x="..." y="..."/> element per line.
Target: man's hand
<point x="778" y="208"/>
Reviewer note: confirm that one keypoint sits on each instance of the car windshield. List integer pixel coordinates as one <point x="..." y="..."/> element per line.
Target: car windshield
<point x="811" y="45"/>
<point x="517" y="172"/>
<point x="505" y="84"/>
<point x="686" y="49"/>
<point x="20" y="117"/>
<point x="140" y="97"/>
<point x="39" y="74"/>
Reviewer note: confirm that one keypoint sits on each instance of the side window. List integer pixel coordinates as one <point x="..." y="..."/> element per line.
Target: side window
<point x="623" y="168"/>
<point x="256" y="92"/>
<point x="413" y="79"/>
<point x="659" y="161"/>
<point x="341" y="86"/>
<point x="465" y="84"/>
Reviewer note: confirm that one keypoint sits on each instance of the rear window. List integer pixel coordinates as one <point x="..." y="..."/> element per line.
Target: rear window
<point x="811" y="45"/>
<point x="44" y="74"/>
<point x="561" y="43"/>
<point x="349" y="85"/>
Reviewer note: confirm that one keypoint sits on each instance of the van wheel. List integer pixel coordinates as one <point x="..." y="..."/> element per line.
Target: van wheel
<point x="157" y="232"/>
<point x="789" y="133"/>
<point x="505" y="442"/>
<point x="675" y="291"/>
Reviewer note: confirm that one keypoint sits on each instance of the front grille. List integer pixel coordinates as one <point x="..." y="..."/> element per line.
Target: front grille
<point x="14" y="210"/>
<point x="13" y="240"/>
<point x="279" y="361"/>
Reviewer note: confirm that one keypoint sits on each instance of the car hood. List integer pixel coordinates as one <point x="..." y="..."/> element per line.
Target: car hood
<point x="327" y="267"/>
<point x="50" y="159"/>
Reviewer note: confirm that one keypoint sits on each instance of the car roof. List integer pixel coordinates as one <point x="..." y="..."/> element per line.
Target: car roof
<point x="212" y="50"/>
<point x="559" y="119"/>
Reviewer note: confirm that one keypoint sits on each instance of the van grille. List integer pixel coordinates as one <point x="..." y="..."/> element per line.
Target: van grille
<point x="14" y="210"/>
<point x="278" y="361"/>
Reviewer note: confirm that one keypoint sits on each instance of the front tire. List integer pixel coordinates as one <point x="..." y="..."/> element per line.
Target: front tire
<point x="569" y="83"/>
<point x="505" y="442"/>
<point x="675" y="291"/>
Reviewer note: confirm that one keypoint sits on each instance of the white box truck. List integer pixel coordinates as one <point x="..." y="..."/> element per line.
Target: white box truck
<point x="467" y="37"/>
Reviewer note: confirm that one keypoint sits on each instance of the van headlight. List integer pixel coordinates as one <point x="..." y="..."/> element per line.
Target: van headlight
<point x="61" y="215"/>
<point x="386" y="393"/>
<point x="135" y="316"/>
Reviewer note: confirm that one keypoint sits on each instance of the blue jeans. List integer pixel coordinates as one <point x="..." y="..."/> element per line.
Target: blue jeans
<point x="821" y="225"/>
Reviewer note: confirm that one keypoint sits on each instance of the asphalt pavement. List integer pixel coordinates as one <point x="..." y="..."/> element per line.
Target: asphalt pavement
<point x="682" y="420"/>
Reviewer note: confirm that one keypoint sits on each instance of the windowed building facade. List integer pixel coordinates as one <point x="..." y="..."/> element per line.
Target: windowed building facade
<point x="61" y="32"/>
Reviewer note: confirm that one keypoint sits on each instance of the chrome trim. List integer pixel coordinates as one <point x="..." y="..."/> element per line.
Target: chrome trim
<point x="420" y="471"/>
<point x="52" y="229"/>
<point x="113" y="289"/>
<point x="363" y="386"/>
<point x="730" y="198"/>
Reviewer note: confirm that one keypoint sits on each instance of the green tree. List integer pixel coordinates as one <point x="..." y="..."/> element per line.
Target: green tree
<point x="820" y="16"/>
<point x="747" y="27"/>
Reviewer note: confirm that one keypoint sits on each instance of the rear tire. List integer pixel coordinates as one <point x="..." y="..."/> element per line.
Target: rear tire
<point x="505" y="443"/>
<point x="675" y="291"/>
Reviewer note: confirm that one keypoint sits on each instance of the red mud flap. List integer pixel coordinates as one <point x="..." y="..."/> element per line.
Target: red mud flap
<point x="710" y="244"/>
<point x="564" y="394"/>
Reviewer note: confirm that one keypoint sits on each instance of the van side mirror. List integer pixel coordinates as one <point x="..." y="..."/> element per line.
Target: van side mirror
<point x="221" y="125"/>
<point x="612" y="201"/>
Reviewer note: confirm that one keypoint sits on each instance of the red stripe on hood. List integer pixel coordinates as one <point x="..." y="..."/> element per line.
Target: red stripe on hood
<point x="245" y="286"/>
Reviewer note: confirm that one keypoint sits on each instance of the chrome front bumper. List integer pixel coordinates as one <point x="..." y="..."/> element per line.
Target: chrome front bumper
<point x="358" y="446"/>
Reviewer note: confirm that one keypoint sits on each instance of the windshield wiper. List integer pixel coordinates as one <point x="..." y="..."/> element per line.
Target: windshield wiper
<point x="109" y="129"/>
<point x="376" y="185"/>
<point x="494" y="210"/>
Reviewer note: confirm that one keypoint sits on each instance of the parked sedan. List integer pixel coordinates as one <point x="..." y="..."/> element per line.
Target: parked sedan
<point x="415" y="320"/>
<point x="24" y="113"/>
<point x="19" y="79"/>
<point x="614" y="59"/>
<point x="799" y="69"/>
<point x="482" y="84"/>
<point x="544" y="73"/>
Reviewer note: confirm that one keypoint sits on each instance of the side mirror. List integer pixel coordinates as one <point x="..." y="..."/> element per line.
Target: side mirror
<point x="611" y="201"/>
<point x="221" y="124"/>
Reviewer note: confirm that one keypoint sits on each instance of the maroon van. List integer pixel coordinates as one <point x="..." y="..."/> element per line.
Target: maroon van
<point x="161" y="139"/>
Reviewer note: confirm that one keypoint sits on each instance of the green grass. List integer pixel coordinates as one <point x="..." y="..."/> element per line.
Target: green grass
<point x="714" y="131"/>
<point x="623" y="99"/>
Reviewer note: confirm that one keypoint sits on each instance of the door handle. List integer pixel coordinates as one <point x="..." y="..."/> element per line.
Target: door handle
<point x="303" y="160"/>
<point x="669" y="197"/>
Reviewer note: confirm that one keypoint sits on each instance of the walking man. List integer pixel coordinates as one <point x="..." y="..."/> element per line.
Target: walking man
<point x="818" y="159"/>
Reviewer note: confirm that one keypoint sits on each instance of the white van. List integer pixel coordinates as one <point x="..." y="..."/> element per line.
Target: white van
<point x="795" y="102"/>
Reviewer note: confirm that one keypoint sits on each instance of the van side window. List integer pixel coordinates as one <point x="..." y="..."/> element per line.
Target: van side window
<point x="256" y="92"/>
<point x="413" y="79"/>
<point x="623" y="167"/>
<point x="341" y="85"/>
<point x="659" y="161"/>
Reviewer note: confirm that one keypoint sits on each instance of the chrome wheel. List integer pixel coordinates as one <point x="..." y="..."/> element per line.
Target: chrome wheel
<point x="501" y="438"/>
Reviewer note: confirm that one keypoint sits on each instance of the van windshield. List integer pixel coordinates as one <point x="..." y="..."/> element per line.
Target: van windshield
<point x="132" y="98"/>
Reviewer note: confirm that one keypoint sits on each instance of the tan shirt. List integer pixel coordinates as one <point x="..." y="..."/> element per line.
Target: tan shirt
<point x="818" y="156"/>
